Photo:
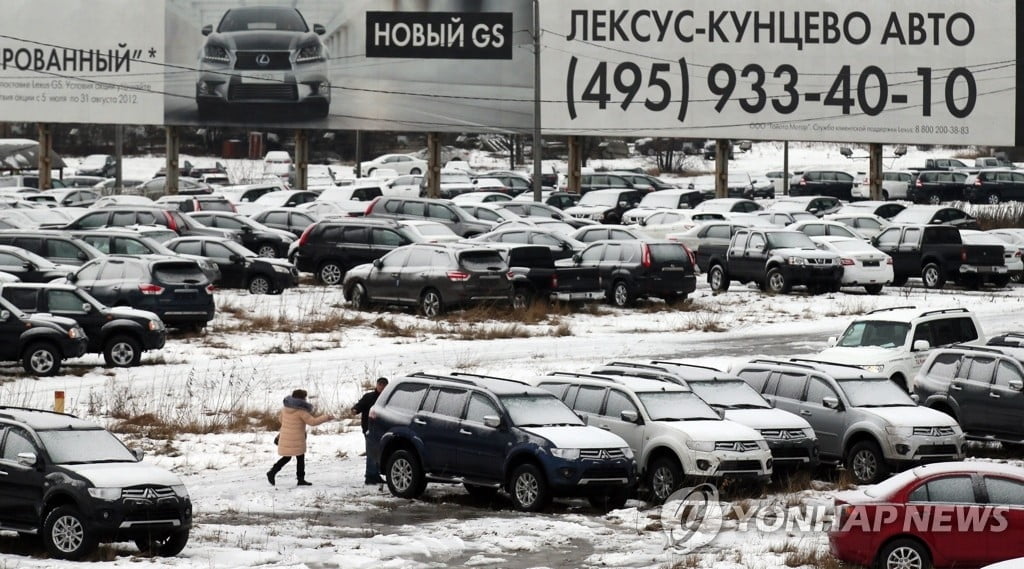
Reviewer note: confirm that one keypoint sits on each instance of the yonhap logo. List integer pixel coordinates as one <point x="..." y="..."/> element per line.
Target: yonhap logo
<point x="692" y="517"/>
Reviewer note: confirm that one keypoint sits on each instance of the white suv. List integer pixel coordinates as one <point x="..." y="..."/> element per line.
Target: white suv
<point x="894" y="342"/>
<point x="674" y="434"/>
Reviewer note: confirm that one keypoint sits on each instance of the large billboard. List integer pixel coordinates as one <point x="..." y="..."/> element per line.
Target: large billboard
<point x="427" y="65"/>
<point x="914" y="71"/>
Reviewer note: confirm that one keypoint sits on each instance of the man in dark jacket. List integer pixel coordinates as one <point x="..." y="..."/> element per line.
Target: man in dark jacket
<point x="368" y="399"/>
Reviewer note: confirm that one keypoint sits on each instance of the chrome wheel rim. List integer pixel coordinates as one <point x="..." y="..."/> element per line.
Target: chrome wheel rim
<point x="330" y="274"/>
<point x="122" y="354"/>
<point x="865" y="466"/>
<point x="431" y="304"/>
<point x="621" y="295"/>
<point x="68" y="534"/>
<point x="259" y="285"/>
<point x="931" y="277"/>
<point x="716" y="279"/>
<point x="358" y="296"/>
<point x="401" y="475"/>
<point x="42" y="361"/>
<point x="993" y="199"/>
<point x="934" y="199"/>
<point x="904" y="558"/>
<point x="662" y="483"/>
<point x="527" y="489"/>
<point x="267" y="251"/>
<point x="776" y="281"/>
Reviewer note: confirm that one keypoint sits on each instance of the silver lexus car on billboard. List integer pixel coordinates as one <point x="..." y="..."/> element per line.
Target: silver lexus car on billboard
<point x="263" y="56"/>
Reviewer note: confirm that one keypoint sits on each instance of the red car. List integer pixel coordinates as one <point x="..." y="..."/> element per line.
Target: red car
<point x="938" y="515"/>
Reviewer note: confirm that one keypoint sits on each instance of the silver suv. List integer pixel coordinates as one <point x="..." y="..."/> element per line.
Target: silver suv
<point x="862" y="419"/>
<point x="674" y="434"/>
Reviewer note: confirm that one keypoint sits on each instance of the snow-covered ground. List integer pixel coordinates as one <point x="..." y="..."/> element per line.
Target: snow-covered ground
<point x="259" y="348"/>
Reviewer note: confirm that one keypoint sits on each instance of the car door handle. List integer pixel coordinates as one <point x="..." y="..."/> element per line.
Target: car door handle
<point x="955" y="387"/>
<point x="419" y="421"/>
<point x="994" y="395"/>
<point x="605" y="427"/>
<point x="805" y="412"/>
<point x="465" y="432"/>
<point x="3" y="472"/>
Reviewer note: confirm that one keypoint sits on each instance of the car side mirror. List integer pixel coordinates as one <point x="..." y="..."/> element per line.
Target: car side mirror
<point x="832" y="341"/>
<point x="454" y="218"/>
<point x="584" y="418"/>
<point x="86" y="307"/>
<point x="28" y="266"/>
<point x="319" y="29"/>
<point x="138" y="453"/>
<point x="920" y="346"/>
<point x="492" y="421"/>
<point x="629" y="416"/>
<point x="4" y="315"/>
<point x="27" y="458"/>
<point x="577" y="258"/>
<point x="623" y="204"/>
<point x="246" y="229"/>
<point x="236" y="258"/>
<point x="1016" y="384"/>
<point x="935" y="221"/>
<point x="378" y="263"/>
<point x="207" y="29"/>
<point x="72" y="277"/>
<point x="830" y="403"/>
<point x="915" y="398"/>
<point x="82" y="256"/>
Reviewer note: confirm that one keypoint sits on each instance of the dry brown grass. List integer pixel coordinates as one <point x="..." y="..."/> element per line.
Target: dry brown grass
<point x="811" y="556"/>
<point x="155" y="427"/>
<point x="323" y="323"/>
<point x="388" y="328"/>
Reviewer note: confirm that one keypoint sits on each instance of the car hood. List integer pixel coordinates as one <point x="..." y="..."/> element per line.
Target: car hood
<point x="264" y="40"/>
<point x="46" y="317"/>
<point x="711" y="430"/>
<point x="273" y="262"/>
<point x="578" y="437"/>
<point x="286" y="236"/>
<point x="132" y="313"/>
<point x="805" y="253"/>
<point x="123" y="474"/>
<point x="865" y="355"/>
<point x="766" y="419"/>
<point x="587" y="209"/>
<point x="911" y="416"/>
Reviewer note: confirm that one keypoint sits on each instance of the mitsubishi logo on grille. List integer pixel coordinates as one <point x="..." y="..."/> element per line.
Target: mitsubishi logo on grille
<point x="783" y="434"/>
<point x="149" y="494"/>
<point x="263" y="60"/>
<point x="603" y="454"/>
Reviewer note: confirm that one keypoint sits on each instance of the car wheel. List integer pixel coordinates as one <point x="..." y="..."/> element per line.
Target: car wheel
<point x="1000" y="281"/>
<point x="41" y="359"/>
<point x="360" y="300"/>
<point x="481" y="493"/>
<point x="66" y="534"/>
<point x="777" y="283"/>
<point x="415" y="172"/>
<point x="904" y="554"/>
<point x="621" y="295"/>
<point x="873" y="289"/>
<point x="266" y="250"/>
<point x="122" y="351"/>
<point x="932" y="276"/>
<point x="522" y="298"/>
<point x="1017" y="277"/>
<point x="934" y="199"/>
<point x="528" y="488"/>
<point x="609" y="500"/>
<point x="431" y="305"/>
<point x="330" y="273"/>
<point x="664" y="477"/>
<point x="992" y="198"/>
<point x="259" y="284"/>
<point x="866" y="463"/>
<point x="167" y="545"/>
<point x="405" y="475"/>
<point x="717" y="279"/>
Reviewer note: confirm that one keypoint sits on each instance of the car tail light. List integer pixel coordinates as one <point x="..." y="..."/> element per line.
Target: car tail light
<point x="977" y="181"/>
<point x="963" y="254"/>
<point x="1018" y="253"/>
<point x="305" y="235"/>
<point x="458" y="276"/>
<point x="172" y="223"/>
<point x="554" y="281"/>
<point x="369" y="208"/>
<point x="210" y="289"/>
<point x="888" y="260"/>
<point x="919" y="184"/>
<point x="803" y="182"/>
<point x="846" y="262"/>
<point x="689" y="253"/>
<point x="149" y="288"/>
<point x="645" y="256"/>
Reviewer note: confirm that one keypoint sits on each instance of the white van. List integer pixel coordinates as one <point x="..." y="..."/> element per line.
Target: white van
<point x="277" y="163"/>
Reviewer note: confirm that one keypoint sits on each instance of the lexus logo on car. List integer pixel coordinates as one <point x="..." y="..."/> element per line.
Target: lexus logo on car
<point x="263" y="60"/>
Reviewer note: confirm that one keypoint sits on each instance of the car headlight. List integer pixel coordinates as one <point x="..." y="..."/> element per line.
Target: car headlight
<point x="809" y="433"/>
<point x="75" y="332"/>
<point x="899" y="431"/>
<point x="701" y="446"/>
<point x="155" y="325"/>
<point x="108" y="494"/>
<point x="627" y="452"/>
<point x="762" y="444"/>
<point x="309" y="53"/>
<point x="281" y="269"/>
<point x="796" y="261"/>
<point x="566" y="453"/>
<point x="216" y="54"/>
<point x="875" y="368"/>
<point x="180" y="490"/>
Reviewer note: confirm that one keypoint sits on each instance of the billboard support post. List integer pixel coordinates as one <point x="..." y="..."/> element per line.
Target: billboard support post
<point x="119" y="156"/>
<point x="433" y="164"/>
<point x="359" y="154"/>
<point x="575" y="161"/>
<point x="171" y="187"/>
<point x="45" y="160"/>
<point x="785" y="168"/>
<point x="722" y="168"/>
<point x="875" y="170"/>
<point x="536" y="151"/>
<point x="301" y="159"/>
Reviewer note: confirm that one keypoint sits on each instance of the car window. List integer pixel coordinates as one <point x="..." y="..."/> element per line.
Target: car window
<point x="718" y="231"/>
<point x="420" y="258"/>
<point x="593" y="254"/>
<point x="589" y="399"/>
<point x="18" y="441"/>
<point x="89" y="272"/>
<point x="557" y="389"/>
<point x="479" y="407"/>
<point x="386" y="237"/>
<point x="947" y="490"/>
<point x="756" y="378"/>
<point x="514" y="237"/>
<point x="8" y="260"/>
<point x="395" y="259"/>
<point x="101" y="243"/>
<point x="23" y="298"/>
<point x="135" y="271"/>
<point x="1004" y="491"/>
<point x="60" y="248"/>
<point x="912" y="235"/>
<point x="944" y="366"/>
<point x="217" y="250"/>
<point x="756" y="242"/>
<point x="441" y="212"/>
<point x="188" y="248"/>
<point x="545" y="239"/>
<point x="450" y="402"/>
<point x="817" y="390"/>
<point x="407" y="396"/>
<point x="620" y="234"/>
<point x="889" y="238"/>
<point x="128" y="246"/>
<point x="814" y="229"/>
<point x="111" y="271"/>
<point x="1005" y="373"/>
<point x="280" y="217"/>
<point x="477" y="260"/>
<point x="179" y="273"/>
<point x="617" y="403"/>
<point x="791" y="385"/>
<point x="93" y="220"/>
<point x="613" y="252"/>
<point x="64" y="301"/>
<point x="417" y="209"/>
<point x="355" y="235"/>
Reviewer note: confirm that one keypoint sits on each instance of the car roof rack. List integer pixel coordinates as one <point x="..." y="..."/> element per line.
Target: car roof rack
<point x="425" y="375"/>
<point x="579" y="375"/>
<point x="31" y="409"/>
<point x="823" y="362"/>
<point x="461" y="374"/>
<point x="684" y="364"/>
<point x="652" y="374"/>
<point x="944" y="311"/>
<point x="877" y="310"/>
<point x="976" y="348"/>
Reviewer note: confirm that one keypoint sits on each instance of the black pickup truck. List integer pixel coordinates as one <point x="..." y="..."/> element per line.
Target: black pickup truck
<point x="534" y="275"/>
<point x="936" y="253"/>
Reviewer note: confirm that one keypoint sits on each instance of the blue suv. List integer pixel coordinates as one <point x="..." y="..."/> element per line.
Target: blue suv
<point x="491" y="433"/>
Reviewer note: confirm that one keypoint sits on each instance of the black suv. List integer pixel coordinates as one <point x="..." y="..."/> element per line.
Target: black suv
<point x="491" y="434"/>
<point x="286" y="219"/>
<point x="120" y="334"/>
<point x="122" y="216"/>
<point x="981" y="387"/>
<point x="239" y="267"/>
<point x="40" y="341"/>
<point x="432" y="277"/>
<point x="603" y="181"/>
<point x="29" y="267"/>
<point x="258" y="238"/>
<point x="75" y="484"/>
<point x="176" y="289"/>
<point x="59" y="247"/>
<point x="328" y="249"/>
<point x="994" y="186"/>
<point x="937" y="186"/>
<point x="639" y="269"/>
<point x="835" y="183"/>
<point x="441" y="211"/>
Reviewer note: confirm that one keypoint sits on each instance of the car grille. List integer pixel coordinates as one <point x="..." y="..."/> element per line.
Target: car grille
<point x="606" y="472"/>
<point x="934" y="431"/>
<point x="278" y="60"/>
<point x="602" y="453"/>
<point x="737" y="446"/>
<point x="739" y="465"/>
<point x="936" y="449"/>
<point x="148" y="493"/>
<point x="261" y="91"/>
<point x="820" y="261"/>
<point x="783" y="434"/>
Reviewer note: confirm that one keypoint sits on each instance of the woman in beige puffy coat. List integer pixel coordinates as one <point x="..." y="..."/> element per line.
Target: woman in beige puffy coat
<point x="291" y="441"/>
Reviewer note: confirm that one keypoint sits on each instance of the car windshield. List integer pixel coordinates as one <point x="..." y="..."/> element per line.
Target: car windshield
<point x="881" y="392"/>
<point x="280" y="19"/>
<point x="728" y="394"/>
<point x="880" y="333"/>
<point x="600" y="198"/>
<point x="857" y="246"/>
<point x="538" y="411"/>
<point x="434" y="229"/>
<point x="676" y="406"/>
<point x="84" y="446"/>
<point x="891" y="485"/>
<point x="790" y="240"/>
<point x="179" y="273"/>
<point x="658" y="199"/>
<point x="38" y="261"/>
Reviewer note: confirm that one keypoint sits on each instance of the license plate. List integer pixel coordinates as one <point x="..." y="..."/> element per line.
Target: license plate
<point x="871" y="263"/>
<point x="261" y="77"/>
<point x="186" y="291"/>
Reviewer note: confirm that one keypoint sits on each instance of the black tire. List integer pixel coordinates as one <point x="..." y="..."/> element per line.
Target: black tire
<point x="415" y="172"/>
<point x="41" y="359"/>
<point x="776" y="282"/>
<point x="528" y="488"/>
<point x="431" y="303"/>
<point x="167" y="545"/>
<point x="932" y="276"/>
<point x="481" y="493"/>
<point x="1000" y="281"/>
<point x="266" y="250"/>
<point x="717" y="279"/>
<point x="122" y="351"/>
<point x="873" y="289"/>
<point x="522" y="297"/>
<point x="992" y="198"/>
<point x="260" y="284"/>
<point x="622" y="294"/>
<point x="330" y="273"/>
<point x="903" y="553"/>
<point x="360" y="300"/>
<point x="934" y="199"/>
<point x="866" y="463"/>
<point x="609" y="500"/>
<point x="664" y="476"/>
<point x="405" y="475"/>
<point x="67" y="535"/>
